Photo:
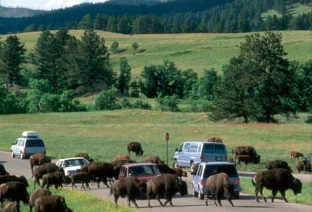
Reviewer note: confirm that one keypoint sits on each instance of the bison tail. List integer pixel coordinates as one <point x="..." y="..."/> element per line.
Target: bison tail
<point x="252" y="180"/>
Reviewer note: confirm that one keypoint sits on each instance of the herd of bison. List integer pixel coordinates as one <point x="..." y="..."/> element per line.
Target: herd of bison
<point x="45" y="173"/>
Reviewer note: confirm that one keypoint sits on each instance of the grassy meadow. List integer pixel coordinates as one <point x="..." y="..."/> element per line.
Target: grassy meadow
<point x="200" y="51"/>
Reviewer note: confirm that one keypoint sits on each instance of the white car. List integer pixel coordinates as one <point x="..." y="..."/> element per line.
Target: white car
<point x="71" y="165"/>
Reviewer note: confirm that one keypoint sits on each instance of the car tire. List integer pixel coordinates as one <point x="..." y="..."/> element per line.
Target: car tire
<point x="200" y="195"/>
<point x="22" y="156"/>
<point x="195" y="193"/>
<point x="12" y="155"/>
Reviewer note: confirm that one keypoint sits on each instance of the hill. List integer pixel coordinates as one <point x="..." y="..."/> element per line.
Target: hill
<point x="197" y="51"/>
<point x="18" y="12"/>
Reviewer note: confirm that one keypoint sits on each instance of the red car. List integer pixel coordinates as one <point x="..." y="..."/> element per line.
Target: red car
<point x="143" y="171"/>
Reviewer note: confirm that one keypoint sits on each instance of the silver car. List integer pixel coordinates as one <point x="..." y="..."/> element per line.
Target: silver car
<point x="71" y="165"/>
<point x="206" y="169"/>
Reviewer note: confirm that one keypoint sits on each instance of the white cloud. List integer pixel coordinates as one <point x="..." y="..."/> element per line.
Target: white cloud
<point x="45" y="4"/>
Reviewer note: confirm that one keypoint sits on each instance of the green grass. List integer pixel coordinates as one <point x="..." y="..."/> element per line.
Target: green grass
<point x="303" y="198"/>
<point x="200" y="51"/>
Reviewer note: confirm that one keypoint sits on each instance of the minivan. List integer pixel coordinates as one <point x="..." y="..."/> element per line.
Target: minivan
<point x="191" y="152"/>
<point x="30" y="143"/>
<point x="206" y="169"/>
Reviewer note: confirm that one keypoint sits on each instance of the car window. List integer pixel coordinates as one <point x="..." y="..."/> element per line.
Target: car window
<point x="34" y="143"/>
<point x="21" y="142"/>
<point x="230" y="170"/>
<point x="220" y="149"/>
<point x="200" y="170"/>
<point x="208" y="148"/>
<point x="193" y="147"/>
<point x="186" y="147"/>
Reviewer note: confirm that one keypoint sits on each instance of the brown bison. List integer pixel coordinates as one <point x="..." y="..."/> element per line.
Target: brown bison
<point x="100" y="171"/>
<point x="165" y="185"/>
<point x="136" y="148"/>
<point x="295" y="155"/>
<point x="122" y="157"/>
<point x="80" y="177"/>
<point x="274" y="164"/>
<point x="247" y="159"/>
<point x="36" y="194"/>
<point x="244" y="150"/>
<point x="11" y="207"/>
<point x="219" y="185"/>
<point x="13" y="191"/>
<point x="38" y="159"/>
<point x="85" y="155"/>
<point x="215" y="139"/>
<point x="42" y="170"/>
<point x="276" y="180"/>
<point x="130" y="187"/>
<point x="304" y="166"/>
<point x="51" y="203"/>
<point x="165" y="169"/>
<point x="153" y="159"/>
<point x="54" y="178"/>
<point x="9" y="178"/>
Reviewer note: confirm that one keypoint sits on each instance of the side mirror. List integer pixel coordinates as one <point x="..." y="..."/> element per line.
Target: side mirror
<point x="176" y="149"/>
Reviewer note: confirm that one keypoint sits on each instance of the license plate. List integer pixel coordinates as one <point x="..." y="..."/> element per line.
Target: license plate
<point x="218" y="158"/>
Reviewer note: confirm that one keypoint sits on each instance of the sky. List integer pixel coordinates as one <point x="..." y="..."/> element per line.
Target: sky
<point x="44" y="4"/>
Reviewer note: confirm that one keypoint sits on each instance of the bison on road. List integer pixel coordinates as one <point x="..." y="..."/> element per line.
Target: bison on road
<point x="219" y="185"/>
<point x="153" y="159"/>
<point x="42" y="170"/>
<point x="276" y="180"/>
<point x="130" y="187"/>
<point x="135" y="147"/>
<point x="165" y="185"/>
<point x="38" y="159"/>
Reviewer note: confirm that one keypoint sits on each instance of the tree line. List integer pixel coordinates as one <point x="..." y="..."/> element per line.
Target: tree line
<point x="257" y="85"/>
<point x="227" y="16"/>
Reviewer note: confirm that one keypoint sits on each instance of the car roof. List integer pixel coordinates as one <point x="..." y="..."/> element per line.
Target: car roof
<point x="217" y="163"/>
<point x="203" y="142"/>
<point x="138" y="164"/>
<point x="72" y="158"/>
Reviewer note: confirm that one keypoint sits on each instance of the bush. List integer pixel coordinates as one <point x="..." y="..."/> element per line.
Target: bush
<point x="142" y="105"/>
<point x="309" y="120"/>
<point x="168" y="103"/>
<point x="106" y="100"/>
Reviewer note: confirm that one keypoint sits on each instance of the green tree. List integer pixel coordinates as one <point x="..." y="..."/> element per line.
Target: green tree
<point x="106" y="100"/>
<point x="12" y="57"/>
<point x="86" y="22"/>
<point x="135" y="46"/>
<point x="168" y="103"/>
<point x="95" y="72"/>
<point x="207" y="84"/>
<point x="124" y="76"/>
<point x="260" y="83"/>
<point x="114" y="47"/>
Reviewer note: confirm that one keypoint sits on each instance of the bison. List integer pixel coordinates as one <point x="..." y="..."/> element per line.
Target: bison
<point x="128" y="186"/>
<point x="42" y="170"/>
<point x="219" y="185"/>
<point x="38" y="159"/>
<point x="295" y="155"/>
<point x="136" y="148"/>
<point x="11" y="207"/>
<point x="276" y="180"/>
<point x="165" y="169"/>
<point x="215" y="139"/>
<point x="51" y="203"/>
<point x="247" y="159"/>
<point x="304" y="166"/>
<point x="9" y="178"/>
<point x="36" y="194"/>
<point x="54" y="178"/>
<point x="100" y="171"/>
<point x="274" y="164"/>
<point x="13" y="191"/>
<point x="165" y="185"/>
<point x="80" y="177"/>
<point x="122" y="157"/>
<point x="244" y="150"/>
<point x="153" y="159"/>
<point x="3" y="170"/>
<point x="85" y="155"/>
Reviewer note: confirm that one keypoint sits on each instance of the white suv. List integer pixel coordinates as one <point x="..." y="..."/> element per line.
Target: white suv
<point x="71" y="165"/>
<point x="206" y="169"/>
<point x="30" y="143"/>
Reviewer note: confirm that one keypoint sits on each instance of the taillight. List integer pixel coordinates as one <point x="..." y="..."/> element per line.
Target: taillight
<point x="202" y="182"/>
<point x="238" y="181"/>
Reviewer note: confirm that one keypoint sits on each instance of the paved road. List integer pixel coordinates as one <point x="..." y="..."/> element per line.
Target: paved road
<point x="182" y="204"/>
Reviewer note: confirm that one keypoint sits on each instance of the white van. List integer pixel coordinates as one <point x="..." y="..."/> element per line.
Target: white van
<point x="191" y="152"/>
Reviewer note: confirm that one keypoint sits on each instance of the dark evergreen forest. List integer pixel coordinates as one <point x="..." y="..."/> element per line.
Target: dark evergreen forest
<point x="180" y="16"/>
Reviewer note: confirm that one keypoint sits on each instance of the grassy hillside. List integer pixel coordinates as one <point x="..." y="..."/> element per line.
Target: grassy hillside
<point x="188" y="51"/>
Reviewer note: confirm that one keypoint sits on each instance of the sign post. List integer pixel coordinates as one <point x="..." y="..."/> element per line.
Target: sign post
<point x="167" y="139"/>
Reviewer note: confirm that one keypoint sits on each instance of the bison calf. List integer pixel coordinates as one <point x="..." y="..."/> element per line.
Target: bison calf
<point x="276" y="180"/>
<point x="219" y="185"/>
<point x="11" y="207"/>
<point x="295" y="155"/>
<point x="80" y="177"/>
<point x="54" y="178"/>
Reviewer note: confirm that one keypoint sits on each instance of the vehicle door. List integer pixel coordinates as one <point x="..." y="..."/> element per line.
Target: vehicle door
<point x="178" y="153"/>
<point x="197" y="178"/>
<point x="19" y="147"/>
<point x="184" y="155"/>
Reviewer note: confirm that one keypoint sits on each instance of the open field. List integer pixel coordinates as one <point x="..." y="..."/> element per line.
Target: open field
<point x="200" y="51"/>
<point x="106" y="134"/>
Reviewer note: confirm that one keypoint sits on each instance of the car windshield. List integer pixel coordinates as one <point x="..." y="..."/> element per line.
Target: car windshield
<point x="142" y="170"/>
<point x="34" y="143"/>
<point x="230" y="170"/>
<point x="74" y="162"/>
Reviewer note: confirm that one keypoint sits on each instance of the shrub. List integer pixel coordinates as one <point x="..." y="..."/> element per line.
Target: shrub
<point x="106" y="100"/>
